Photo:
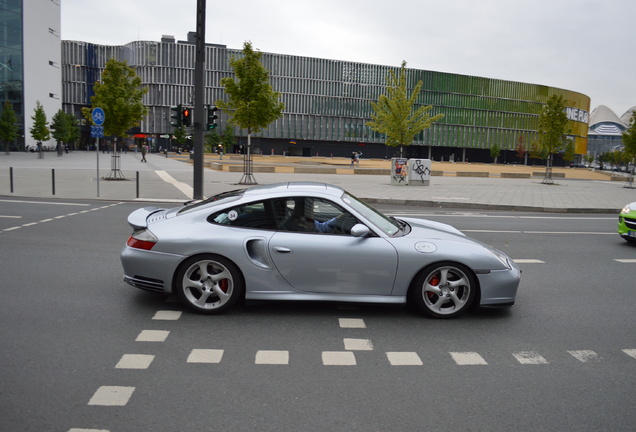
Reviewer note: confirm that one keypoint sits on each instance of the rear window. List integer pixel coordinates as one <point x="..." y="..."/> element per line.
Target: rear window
<point x="213" y="201"/>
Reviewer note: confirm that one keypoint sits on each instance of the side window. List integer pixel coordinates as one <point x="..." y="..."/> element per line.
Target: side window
<point x="258" y="215"/>
<point x="314" y="215"/>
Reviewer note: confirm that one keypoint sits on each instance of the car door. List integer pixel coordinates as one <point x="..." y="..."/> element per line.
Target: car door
<point x="333" y="263"/>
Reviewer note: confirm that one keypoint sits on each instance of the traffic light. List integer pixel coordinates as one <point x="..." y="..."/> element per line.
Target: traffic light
<point x="211" y="123"/>
<point x="186" y="116"/>
<point x="175" y="116"/>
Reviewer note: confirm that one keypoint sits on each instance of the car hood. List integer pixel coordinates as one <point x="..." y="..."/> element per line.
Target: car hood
<point x="431" y="229"/>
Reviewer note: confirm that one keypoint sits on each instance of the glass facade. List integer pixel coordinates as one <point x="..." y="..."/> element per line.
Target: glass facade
<point x="327" y="102"/>
<point x="11" y="70"/>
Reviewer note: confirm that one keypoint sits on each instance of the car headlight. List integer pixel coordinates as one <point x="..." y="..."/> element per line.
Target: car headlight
<point x="627" y="209"/>
<point x="502" y="258"/>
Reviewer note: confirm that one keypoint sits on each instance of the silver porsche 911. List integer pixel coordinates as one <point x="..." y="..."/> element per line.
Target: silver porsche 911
<point x="310" y="241"/>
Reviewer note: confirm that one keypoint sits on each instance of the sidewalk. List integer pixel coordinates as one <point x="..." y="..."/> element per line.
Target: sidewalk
<point x="162" y="179"/>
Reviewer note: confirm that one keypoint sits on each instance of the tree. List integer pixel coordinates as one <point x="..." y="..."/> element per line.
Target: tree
<point x="495" y="151"/>
<point x="120" y="96"/>
<point x="629" y="141"/>
<point x="212" y="140"/>
<point x="394" y="114"/>
<point x="40" y="129"/>
<point x="181" y="137"/>
<point x="569" y="153"/>
<point x="553" y="130"/>
<point x="64" y="128"/>
<point x="520" y="149"/>
<point x="252" y="104"/>
<point x="8" y="126"/>
<point x="227" y="138"/>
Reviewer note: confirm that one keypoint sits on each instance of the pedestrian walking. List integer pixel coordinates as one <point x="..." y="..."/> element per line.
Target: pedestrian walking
<point x="353" y="159"/>
<point x="358" y="159"/>
<point x="144" y="150"/>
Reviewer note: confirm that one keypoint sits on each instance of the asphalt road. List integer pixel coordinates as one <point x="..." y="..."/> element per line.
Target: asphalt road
<point x="84" y="351"/>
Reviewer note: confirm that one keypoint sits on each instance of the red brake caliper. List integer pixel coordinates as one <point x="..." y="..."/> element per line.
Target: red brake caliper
<point x="433" y="281"/>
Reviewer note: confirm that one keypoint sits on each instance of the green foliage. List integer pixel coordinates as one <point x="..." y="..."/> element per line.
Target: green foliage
<point x="64" y="127"/>
<point x="553" y="125"/>
<point x="537" y="151"/>
<point x="120" y="96"/>
<point x="394" y="114"/>
<point x="629" y="138"/>
<point x="252" y="104"/>
<point x="212" y="140"/>
<point x="8" y="125"/>
<point x="495" y="152"/>
<point x="40" y="129"/>
<point x="180" y="135"/>
<point x="227" y="138"/>
<point x="569" y="153"/>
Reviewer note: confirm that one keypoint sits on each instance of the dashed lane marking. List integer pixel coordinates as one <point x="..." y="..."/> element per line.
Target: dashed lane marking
<point x="404" y="359"/>
<point x="272" y="357"/>
<point x="152" y="336"/>
<point x="112" y="396"/>
<point x="529" y="357"/>
<point x="351" y="323"/>
<point x="205" y="356"/>
<point x="626" y="261"/>
<point x="135" y="361"/>
<point x="358" y="344"/>
<point x="630" y="352"/>
<point x="585" y="356"/>
<point x="468" y="358"/>
<point x="338" y="358"/>
<point x="528" y="261"/>
<point x="167" y="315"/>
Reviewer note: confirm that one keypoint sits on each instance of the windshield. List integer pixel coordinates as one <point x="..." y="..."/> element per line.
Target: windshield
<point x="215" y="200"/>
<point x="389" y="226"/>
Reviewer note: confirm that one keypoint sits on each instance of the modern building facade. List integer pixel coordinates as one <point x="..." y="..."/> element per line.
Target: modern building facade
<point x="30" y="60"/>
<point x="327" y="102"/>
<point x="606" y="130"/>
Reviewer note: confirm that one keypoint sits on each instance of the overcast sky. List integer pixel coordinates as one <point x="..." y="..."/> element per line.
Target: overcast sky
<point x="586" y="46"/>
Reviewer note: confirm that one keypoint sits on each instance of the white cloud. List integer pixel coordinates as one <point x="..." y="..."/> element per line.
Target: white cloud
<point x="583" y="46"/>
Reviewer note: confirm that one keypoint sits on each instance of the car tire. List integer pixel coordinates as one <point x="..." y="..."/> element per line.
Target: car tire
<point x="209" y="284"/>
<point x="444" y="290"/>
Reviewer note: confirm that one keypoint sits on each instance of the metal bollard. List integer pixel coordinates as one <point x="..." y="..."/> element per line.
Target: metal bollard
<point x="11" y="178"/>
<point x="53" y="180"/>
<point x="137" y="183"/>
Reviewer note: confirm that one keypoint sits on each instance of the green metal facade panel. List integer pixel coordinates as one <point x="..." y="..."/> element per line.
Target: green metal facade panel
<point x="329" y="100"/>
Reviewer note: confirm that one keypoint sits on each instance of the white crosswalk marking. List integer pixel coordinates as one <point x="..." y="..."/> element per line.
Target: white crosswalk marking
<point x="152" y="336"/>
<point x="352" y="323"/>
<point x="338" y="358"/>
<point x="358" y="344"/>
<point x="112" y="396"/>
<point x="468" y="358"/>
<point x="272" y="357"/>
<point x="205" y="356"/>
<point x="404" y="359"/>
<point x="167" y="315"/>
<point x="585" y="356"/>
<point x="630" y="352"/>
<point x="626" y="261"/>
<point x="135" y="361"/>
<point x="529" y="357"/>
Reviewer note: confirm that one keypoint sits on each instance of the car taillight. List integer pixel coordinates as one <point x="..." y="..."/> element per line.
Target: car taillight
<point x="142" y="239"/>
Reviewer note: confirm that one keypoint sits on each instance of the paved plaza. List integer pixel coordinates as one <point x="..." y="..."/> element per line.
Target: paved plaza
<point x="169" y="179"/>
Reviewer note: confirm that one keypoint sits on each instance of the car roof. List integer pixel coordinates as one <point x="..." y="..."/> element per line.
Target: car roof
<point x="296" y="188"/>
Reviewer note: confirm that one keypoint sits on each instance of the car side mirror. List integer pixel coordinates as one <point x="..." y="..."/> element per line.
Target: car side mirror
<point x="360" y="230"/>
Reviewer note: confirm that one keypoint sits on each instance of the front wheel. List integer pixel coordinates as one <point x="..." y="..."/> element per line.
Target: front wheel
<point x="209" y="284"/>
<point x="444" y="290"/>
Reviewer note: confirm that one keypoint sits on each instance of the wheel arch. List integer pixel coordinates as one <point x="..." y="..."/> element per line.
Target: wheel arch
<point x="173" y="284"/>
<point x="413" y="282"/>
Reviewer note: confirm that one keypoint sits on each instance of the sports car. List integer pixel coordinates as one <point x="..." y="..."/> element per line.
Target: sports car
<point x="310" y="241"/>
<point x="627" y="223"/>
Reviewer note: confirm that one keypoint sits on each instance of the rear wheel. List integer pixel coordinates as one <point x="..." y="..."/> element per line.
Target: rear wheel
<point x="444" y="290"/>
<point x="209" y="284"/>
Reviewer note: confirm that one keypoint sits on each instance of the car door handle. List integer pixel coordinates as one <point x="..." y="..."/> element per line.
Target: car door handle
<point x="281" y="249"/>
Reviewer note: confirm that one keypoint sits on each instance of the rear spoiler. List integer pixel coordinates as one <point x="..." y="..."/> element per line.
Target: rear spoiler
<point x="139" y="218"/>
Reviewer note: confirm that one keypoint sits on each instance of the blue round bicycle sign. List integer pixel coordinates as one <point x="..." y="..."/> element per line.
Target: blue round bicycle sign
<point x="98" y="116"/>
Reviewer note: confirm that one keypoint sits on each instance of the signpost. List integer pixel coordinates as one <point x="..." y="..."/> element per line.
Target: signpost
<point x="97" y="131"/>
